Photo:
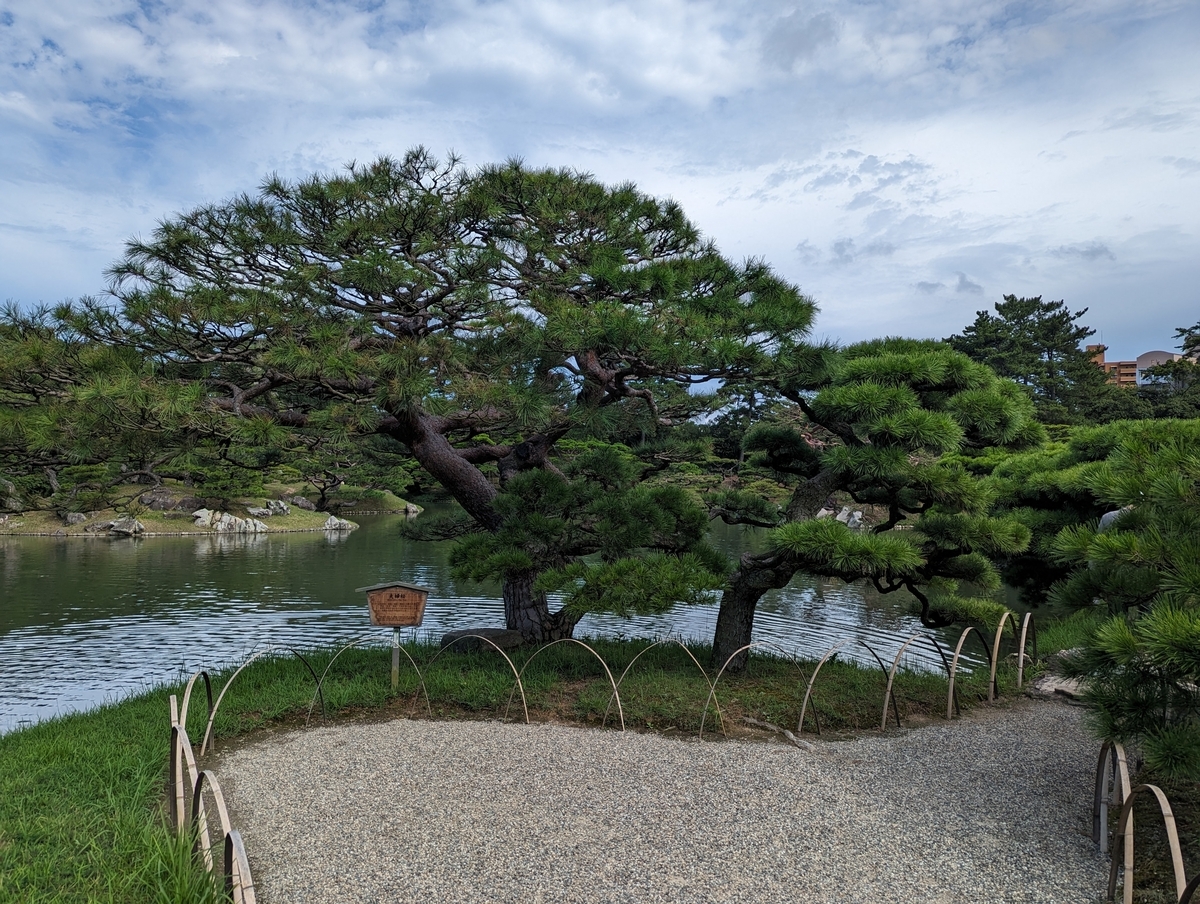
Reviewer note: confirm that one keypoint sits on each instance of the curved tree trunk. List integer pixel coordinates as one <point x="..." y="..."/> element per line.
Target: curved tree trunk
<point x="526" y="610"/>
<point x="756" y="574"/>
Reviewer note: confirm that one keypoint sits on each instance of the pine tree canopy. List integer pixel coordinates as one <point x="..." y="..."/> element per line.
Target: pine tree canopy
<point x="878" y="421"/>
<point x="1038" y="344"/>
<point x="474" y="316"/>
<point x="1142" y="666"/>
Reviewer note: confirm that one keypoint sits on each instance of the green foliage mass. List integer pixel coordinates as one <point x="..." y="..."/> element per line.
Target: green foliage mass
<point x="882" y="422"/>
<point x="599" y="535"/>
<point x="471" y="318"/>
<point x="1037" y="344"/>
<point x="1141" y="570"/>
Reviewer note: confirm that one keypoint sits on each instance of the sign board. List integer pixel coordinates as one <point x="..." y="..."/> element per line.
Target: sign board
<point x="396" y="604"/>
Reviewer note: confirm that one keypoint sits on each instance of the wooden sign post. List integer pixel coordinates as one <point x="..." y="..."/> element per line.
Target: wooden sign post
<point x="396" y="605"/>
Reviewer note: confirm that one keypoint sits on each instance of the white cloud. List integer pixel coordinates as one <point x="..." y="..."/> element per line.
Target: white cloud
<point x="877" y="153"/>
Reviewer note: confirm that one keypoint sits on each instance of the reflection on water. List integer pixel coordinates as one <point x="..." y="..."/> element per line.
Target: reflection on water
<point x="85" y="621"/>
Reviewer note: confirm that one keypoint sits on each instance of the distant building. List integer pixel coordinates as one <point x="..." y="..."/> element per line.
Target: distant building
<point x="1129" y="373"/>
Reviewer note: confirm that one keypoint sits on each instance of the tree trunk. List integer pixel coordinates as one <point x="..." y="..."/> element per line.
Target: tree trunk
<point x="527" y="611"/>
<point x="735" y="623"/>
<point x="756" y="575"/>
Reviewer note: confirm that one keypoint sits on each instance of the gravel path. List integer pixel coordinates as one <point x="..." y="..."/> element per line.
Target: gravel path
<point x="992" y="808"/>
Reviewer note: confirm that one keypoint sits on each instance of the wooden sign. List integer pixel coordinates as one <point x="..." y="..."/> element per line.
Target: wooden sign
<point x="395" y="604"/>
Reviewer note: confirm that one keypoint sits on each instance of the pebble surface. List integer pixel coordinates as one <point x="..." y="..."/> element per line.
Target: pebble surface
<point x="994" y="807"/>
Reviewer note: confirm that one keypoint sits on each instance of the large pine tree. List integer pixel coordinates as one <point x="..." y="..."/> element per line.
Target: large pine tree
<point x="476" y="317"/>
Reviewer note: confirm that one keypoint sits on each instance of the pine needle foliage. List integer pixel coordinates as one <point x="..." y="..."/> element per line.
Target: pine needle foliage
<point x="473" y="316"/>
<point x="883" y="423"/>
<point x="1142" y="666"/>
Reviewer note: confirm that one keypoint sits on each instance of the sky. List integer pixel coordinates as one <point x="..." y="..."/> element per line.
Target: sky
<point x="906" y="163"/>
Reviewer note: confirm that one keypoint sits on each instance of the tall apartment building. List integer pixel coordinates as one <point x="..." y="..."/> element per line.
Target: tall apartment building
<point x="1129" y="373"/>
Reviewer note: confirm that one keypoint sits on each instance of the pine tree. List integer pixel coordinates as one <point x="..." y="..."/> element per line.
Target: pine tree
<point x="1038" y="344"/>
<point x="1142" y="665"/>
<point x="879" y="422"/>
<point x="475" y="317"/>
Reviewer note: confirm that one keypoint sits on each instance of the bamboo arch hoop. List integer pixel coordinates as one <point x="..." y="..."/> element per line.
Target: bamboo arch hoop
<point x="186" y="785"/>
<point x="1190" y="891"/>
<point x="1026" y="623"/>
<point x="187" y="696"/>
<point x="887" y="691"/>
<point x="239" y="885"/>
<point x="1007" y="616"/>
<point x="951" y="700"/>
<point x="600" y="659"/>
<point x="181" y="758"/>
<point x="1125" y="841"/>
<point x="883" y="669"/>
<point x="353" y="643"/>
<point x="1112" y="787"/>
<point x="203" y="841"/>
<point x="683" y="646"/>
<point x="808" y="690"/>
<point x="516" y="674"/>
<point x="712" y="694"/>
<point x="209" y="742"/>
<point x="212" y="714"/>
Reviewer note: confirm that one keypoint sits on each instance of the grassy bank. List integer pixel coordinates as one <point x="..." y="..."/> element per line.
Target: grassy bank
<point x="47" y="520"/>
<point x="81" y="813"/>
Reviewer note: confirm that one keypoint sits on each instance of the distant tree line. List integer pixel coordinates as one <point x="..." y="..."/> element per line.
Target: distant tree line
<point x="1039" y="344"/>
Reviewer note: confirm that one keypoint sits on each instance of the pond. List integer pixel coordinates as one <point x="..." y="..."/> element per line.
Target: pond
<point x="87" y="621"/>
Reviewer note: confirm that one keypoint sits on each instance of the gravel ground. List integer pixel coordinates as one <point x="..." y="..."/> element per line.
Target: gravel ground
<point x="991" y="808"/>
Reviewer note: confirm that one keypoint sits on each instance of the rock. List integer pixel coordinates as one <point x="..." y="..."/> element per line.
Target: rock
<point x="259" y="512"/>
<point x="59" y="533"/>
<point x="74" y="518"/>
<point x="225" y="523"/>
<point x="99" y="526"/>
<point x="1107" y="519"/>
<point x="1054" y="687"/>
<point x="855" y="522"/>
<point x="336" y="523"/>
<point x="129" y="527"/>
<point x="203" y="517"/>
<point x="279" y="507"/>
<point x="844" y="514"/>
<point x="1055" y="661"/>
<point x="824" y="513"/>
<point x="501" y="637"/>
<point x="158" y="499"/>
<point x="411" y="510"/>
<point x="162" y="499"/>
<point x="301" y="503"/>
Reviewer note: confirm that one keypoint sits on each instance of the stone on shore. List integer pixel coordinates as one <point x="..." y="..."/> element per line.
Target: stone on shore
<point x="128" y="527"/>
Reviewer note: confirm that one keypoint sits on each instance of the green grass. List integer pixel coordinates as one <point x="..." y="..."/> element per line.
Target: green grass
<point x="81" y="796"/>
<point x="1069" y="632"/>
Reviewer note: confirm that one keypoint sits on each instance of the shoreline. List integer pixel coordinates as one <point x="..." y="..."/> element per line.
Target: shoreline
<point x="182" y="533"/>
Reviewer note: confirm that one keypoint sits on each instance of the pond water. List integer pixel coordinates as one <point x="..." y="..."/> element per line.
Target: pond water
<point x="87" y="621"/>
